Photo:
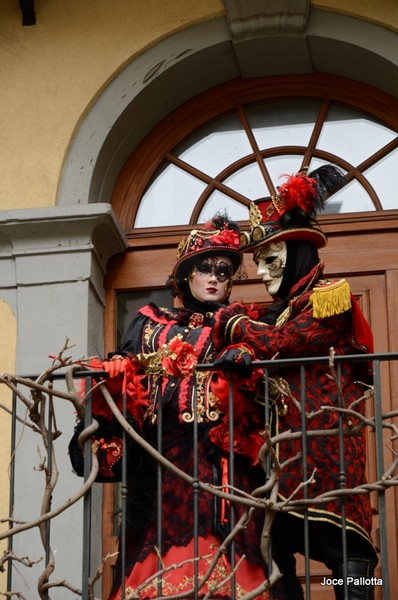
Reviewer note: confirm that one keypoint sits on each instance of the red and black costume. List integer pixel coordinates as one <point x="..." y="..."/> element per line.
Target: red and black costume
<point x="149" y="331"/>
<point x="304" y="335"/>
<point x="299" y="333"/>
<point x="309" y="316"/>
<point x="163" y="409"/>
<point x="152" y="328"/>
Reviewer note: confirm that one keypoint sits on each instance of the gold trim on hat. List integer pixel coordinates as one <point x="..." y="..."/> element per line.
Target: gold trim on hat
<point x="182" y="247"/>
<point x="185" y="245"/>
<point x="258" y="233"/>
<point x="278" y="203"/>
<point x="244" y="238"/>
<point x="255" y="216"/>
<point x="270" y="210"/>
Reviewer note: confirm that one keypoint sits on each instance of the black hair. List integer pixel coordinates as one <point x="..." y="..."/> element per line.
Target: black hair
<point x="302" y="256"/>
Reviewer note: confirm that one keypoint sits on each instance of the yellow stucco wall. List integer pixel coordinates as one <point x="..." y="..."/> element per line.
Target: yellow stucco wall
<point x="52" y="72"/>
<point x="382" y="12"/>
<point x="7" y="365"/>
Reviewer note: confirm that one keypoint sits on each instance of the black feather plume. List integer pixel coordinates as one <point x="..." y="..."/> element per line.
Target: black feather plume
<point x="221" y="220"/>
<point x="329" y="180"/>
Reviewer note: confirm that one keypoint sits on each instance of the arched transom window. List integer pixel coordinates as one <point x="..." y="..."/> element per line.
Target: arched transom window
<point x="232" y="145"/>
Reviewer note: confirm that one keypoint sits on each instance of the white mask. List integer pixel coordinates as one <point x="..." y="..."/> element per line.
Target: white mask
<point x="271" y="261"/>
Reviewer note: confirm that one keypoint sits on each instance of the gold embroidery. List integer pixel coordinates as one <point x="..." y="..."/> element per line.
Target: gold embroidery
<point x="196" y="320"/>
<point x="205" y="402"/>
<point x="284" y="316"/>
<point x="214" y="584"/>
<point x="187" y="417"/>
<point x="279" y="203"/>
<point x="151" y="412"/>
<point x="212" y="412"/>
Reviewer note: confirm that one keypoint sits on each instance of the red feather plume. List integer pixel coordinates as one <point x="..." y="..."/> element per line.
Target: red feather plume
<point x="299" y="192"/>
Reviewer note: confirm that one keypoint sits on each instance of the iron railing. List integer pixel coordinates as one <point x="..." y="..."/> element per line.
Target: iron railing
<point x="384" y="459"/>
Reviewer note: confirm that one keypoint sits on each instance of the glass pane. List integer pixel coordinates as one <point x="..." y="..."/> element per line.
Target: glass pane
<point x="279" y="166"/>
<point x="170" y="198"/>
<point x="352" y="198"/>
<point x="248" y="181"/>
<point x="283" y="123"/>
<point x="353" y="136"/>
<point x="219" y="202"/>
<point x="382" y="178"/>
<point x="214" y="147"/>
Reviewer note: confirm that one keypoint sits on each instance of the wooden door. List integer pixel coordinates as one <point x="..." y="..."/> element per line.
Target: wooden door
<point x="363" y="251"/>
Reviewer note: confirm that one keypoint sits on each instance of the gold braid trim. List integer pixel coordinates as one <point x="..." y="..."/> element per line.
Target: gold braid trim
<point x="230" y="326"/>
<point x="255" y="216"/>
<point x="330" y="298"/>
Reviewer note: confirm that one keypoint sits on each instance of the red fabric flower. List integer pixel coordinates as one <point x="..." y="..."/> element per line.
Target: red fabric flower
<point x="180" y="359"/>
<point x="197" y="244"/>
<point x="227" y="237"/>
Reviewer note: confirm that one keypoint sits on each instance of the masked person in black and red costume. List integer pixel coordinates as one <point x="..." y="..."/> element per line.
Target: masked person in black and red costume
<point x="309" y="315"/>
<point x="202" y="279"/>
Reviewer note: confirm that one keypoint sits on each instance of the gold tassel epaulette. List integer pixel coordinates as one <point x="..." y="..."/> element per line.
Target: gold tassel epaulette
<point x="330" y="297"/>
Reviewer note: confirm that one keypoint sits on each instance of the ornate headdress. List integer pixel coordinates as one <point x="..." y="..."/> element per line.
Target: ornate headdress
<point x="219" y="236"/>
<point x="291" y="214"/>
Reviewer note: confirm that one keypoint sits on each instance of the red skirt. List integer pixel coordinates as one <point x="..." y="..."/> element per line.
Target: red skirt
<point x="178" y="574"/>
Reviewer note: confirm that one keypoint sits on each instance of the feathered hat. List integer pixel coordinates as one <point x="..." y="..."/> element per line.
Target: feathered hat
<point x="291" y="214"/>
<point x="219" y="236"/>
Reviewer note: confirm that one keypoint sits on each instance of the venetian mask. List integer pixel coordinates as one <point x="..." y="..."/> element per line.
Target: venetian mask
<point x="271" y="261"/>
<point x="211" y="279"/>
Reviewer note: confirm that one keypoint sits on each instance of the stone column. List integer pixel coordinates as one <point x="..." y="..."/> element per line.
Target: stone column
<point x="52" y="265"/>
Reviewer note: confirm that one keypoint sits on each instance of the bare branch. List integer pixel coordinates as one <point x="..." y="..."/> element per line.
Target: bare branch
<point x="98" y="574"/>
<point x="265" y="497"/>
<point x="60" y="509"/>
<point x="10" y="556"/>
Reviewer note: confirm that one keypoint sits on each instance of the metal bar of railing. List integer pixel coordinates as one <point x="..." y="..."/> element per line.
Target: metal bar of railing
<point x="287" y="362"/>
<point x="380" y="473"/>
<point x="86" y="557"/>
<point x="123" y="496"/>
<point x="159" y="443"/>
<point x="342" y="477"/>
<point x="195" y="497"/>
<point x="304" y="450"/>
<point x="231" y="468"/>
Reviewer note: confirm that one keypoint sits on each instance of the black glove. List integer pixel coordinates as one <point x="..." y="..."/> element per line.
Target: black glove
<point x="221" y="319"/>
<point x="237" y="360"/>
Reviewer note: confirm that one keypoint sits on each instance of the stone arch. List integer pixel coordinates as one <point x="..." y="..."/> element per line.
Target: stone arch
<point x="207" y="54"/>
